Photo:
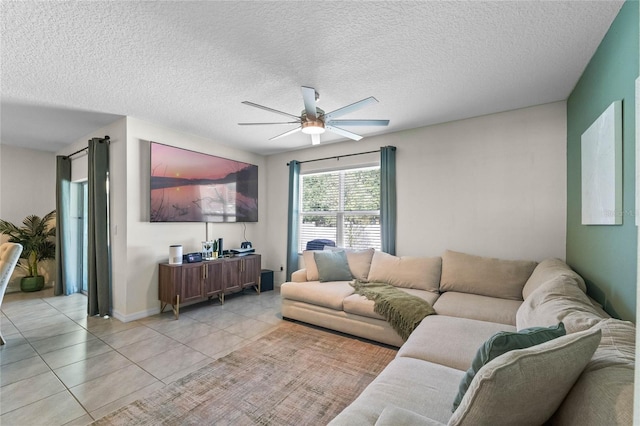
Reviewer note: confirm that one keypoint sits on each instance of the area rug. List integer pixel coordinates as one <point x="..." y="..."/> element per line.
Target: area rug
<point x="295" y="375"/>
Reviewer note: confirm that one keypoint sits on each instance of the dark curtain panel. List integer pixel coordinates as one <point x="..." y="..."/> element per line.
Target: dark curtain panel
<point x="294" y="218"/>
<point x="64" y="285"/>
<point x="99" y="262"/>
<point x="388" y="198"/>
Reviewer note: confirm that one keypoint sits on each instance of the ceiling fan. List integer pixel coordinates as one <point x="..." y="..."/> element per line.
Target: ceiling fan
<point x="314" y="121"/>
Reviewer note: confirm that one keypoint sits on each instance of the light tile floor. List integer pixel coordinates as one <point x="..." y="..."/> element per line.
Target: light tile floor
<point x="60" y="367"/>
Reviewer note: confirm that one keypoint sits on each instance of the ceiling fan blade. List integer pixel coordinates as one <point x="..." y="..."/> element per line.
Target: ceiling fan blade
<point x="343" y="132"/>
<point x="309" y="98"/>
<point x="270" y="109"/>
<point x="358" y="123"/>
<point x="290" y="132"/>
<point x="315" y="139"/>
<point x="260" y="124"/>
<point x="350" y="108"/>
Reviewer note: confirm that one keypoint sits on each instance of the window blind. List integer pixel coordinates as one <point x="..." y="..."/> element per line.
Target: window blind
<point x="342" y="206"/>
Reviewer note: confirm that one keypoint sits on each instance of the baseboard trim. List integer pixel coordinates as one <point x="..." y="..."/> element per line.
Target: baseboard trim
<point x="136" y="315"/>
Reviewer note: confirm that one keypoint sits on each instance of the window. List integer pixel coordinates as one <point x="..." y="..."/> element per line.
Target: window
<point x="342" y="206"/>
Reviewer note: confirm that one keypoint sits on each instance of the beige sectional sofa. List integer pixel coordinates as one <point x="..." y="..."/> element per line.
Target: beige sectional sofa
<point x="585" y="377"/>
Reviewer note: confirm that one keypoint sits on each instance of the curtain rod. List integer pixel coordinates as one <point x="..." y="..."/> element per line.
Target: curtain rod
<point x="84" y="149"/>
<point x="77" y="152"/>
<point x="337" y="157"/>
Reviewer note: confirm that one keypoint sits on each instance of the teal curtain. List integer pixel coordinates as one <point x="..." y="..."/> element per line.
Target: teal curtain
<point x="294" y="218"/>
<point x="65" y="284"/>
<point x="99" y="262"/>
<point x="388" y="199"/>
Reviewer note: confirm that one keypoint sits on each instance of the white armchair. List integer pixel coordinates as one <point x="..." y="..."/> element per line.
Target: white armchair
<point x="9" y="255"/>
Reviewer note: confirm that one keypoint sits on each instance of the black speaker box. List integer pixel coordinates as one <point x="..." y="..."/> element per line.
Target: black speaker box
<point x="266" y="280"/>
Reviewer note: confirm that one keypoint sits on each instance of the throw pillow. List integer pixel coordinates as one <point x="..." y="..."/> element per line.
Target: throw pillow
<point x="501" y="343"/>
<point x="359" y="261"/>
<point x="332" y="266"/>
<point x="526" y="386"/>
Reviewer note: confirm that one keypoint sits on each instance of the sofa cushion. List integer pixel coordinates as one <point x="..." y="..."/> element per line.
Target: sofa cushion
<point x="357" y="325"/>
<point x="422" y="294"/>
<point x="449" y="341"/>
<point x="501" y="343"/>
<point x="604" y="392"/>
<point x="422" y="387"/>
<point x="310" y="265"/>
<point x="421" y="273"/>
<point x="486" y="276"/>
<point x="601" y="397"/>
<point x="332" y="266"/>
<point x="299" y="276"/>
<point x="526" y="386"/>
<point x="477" y="307"/>
<point x="395" y="416"/>
<point x="558" y="300"/>
<point x="359" y="261"/>
<point x="547" y="270"/>
<point x="360" y="305"/>
<point x="617" y="347"/>
<point x="330" y="294"/>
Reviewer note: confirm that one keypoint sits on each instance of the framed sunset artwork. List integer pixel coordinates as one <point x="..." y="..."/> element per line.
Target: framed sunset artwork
<point x="189" y="186"/>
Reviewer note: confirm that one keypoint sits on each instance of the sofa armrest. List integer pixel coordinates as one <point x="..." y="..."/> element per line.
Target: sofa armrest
<point x="299" y="276"/>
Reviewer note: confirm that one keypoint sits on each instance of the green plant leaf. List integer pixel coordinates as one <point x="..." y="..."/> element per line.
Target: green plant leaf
<point x="37" y="237"/>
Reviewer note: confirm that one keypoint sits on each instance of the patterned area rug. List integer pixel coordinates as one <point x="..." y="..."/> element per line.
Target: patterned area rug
<point x="295" y="375"/>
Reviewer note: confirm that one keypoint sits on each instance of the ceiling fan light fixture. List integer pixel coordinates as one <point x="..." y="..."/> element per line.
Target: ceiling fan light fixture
<point x="313" y="127"/>
<point x="314" y="121"/>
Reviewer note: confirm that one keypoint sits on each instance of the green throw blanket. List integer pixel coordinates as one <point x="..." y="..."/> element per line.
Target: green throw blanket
<point x="401" y="310"/>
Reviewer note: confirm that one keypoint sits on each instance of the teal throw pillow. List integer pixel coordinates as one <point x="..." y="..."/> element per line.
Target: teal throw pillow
<point x="501" y="343"/>
<point x="332" y="265"/>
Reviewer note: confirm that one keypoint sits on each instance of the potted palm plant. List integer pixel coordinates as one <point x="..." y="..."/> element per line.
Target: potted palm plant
<point x="37" y="236"/>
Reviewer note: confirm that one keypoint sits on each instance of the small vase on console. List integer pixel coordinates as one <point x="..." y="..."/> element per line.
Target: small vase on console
<point x="207" y="250"/>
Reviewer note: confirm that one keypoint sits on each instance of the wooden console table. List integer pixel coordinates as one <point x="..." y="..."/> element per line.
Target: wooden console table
<point x="187" y="282"/>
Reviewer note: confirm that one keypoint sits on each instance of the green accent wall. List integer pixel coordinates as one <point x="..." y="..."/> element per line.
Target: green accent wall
<point x="606" y="256"/>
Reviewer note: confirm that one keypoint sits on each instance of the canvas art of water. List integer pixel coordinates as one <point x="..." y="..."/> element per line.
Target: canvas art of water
<point x="188" y="186"/>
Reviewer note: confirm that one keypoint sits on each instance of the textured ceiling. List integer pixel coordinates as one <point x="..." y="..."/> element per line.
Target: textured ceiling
<point x="67" y="66"/>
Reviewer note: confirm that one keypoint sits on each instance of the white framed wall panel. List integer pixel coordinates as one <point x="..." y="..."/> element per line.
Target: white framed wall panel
<point x="601" y="169"/>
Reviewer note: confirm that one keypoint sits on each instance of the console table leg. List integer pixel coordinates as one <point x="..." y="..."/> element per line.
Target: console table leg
<point x="176" y="307"/>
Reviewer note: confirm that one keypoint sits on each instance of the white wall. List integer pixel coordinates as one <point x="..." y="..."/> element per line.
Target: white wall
<point x="492" y="185"/>
<point x="27" y="186"/>
<point x="28" y="183"/>
<point x="148" y="243"/>
<point x="117" y="184"/>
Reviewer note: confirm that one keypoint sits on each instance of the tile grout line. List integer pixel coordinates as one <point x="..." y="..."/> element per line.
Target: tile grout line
<point x="66" y="389"/>
<point x="207" y="358"/>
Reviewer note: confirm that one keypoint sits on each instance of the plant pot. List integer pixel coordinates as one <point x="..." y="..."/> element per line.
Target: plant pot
<point x="32" y="283"/>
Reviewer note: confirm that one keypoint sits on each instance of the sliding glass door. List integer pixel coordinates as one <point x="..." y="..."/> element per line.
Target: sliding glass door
<point x="79" y="246"/>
